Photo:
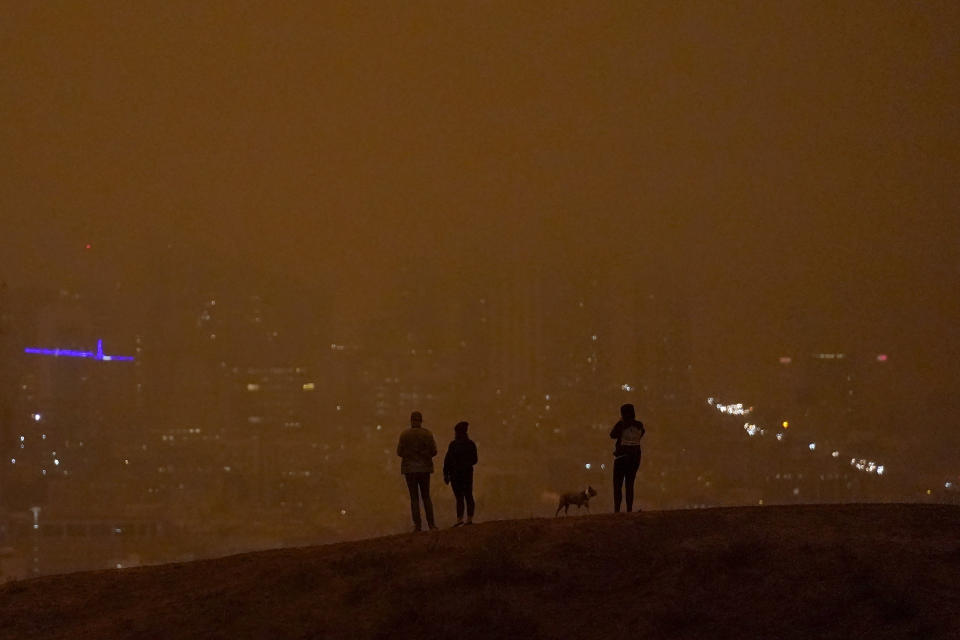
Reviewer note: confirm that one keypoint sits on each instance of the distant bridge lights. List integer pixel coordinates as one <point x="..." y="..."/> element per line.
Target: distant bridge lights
<point x="73" y="353"/>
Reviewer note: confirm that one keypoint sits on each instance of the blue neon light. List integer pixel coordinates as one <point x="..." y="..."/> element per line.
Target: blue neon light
<point x="72" y="353"/>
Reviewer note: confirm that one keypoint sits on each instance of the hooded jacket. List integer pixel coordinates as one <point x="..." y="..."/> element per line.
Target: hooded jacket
<point x="460" y="458"/>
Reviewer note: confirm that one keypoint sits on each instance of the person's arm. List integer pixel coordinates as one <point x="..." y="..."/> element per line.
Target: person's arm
<point x="447" y="461"/>
<point x="642" y="430"/>
<point x="617" y="431"/>
<point x="473" y="453"/>
<point x="401" y="450"/>
<point x="433" y="446"/>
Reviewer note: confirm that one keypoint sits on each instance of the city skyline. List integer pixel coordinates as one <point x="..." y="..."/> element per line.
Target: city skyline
<point x="241" y="243"/>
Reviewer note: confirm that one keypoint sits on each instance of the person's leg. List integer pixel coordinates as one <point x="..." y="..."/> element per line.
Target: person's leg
<point x="631" y="475"/>
<point x="424" y="483"/>
<point x="414" y="498"/>
<point x="458" y="494"/>
<point x="468" y="493"/>
<point x="618" y="477"/>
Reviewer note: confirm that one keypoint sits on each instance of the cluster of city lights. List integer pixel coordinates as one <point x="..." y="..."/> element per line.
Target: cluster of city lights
<point x="730" y="409"/>
<point x="752" y="430"/>
<point x="867" y="466"/>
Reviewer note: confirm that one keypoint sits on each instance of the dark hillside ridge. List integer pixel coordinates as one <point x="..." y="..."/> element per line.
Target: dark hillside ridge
<point x="826" y="571"/>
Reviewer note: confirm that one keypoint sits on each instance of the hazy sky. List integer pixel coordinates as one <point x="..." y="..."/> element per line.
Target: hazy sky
<point x="793" y="163"/>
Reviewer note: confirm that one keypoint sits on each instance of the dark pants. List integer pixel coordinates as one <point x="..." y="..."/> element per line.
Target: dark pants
<point x="419" y="486"/>
<point x="624" y="472"/>
<point x="462" y="485"/>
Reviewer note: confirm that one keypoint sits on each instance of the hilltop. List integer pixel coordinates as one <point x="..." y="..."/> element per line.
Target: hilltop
<point x="837" y="571"/>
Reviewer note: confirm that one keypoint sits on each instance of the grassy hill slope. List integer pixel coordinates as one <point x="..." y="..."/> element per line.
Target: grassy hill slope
<point x="838" y="571"/>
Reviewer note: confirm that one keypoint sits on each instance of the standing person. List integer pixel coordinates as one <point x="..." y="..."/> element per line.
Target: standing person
<point x="458" y="470"/>
<point x="626" y="455"/>
<point x="417" y="447"/>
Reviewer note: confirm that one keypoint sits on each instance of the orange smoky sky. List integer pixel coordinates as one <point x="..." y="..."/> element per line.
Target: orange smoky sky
<point x="792" y="166"/>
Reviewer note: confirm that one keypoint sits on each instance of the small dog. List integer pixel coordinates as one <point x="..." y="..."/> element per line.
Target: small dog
<point x="581" y="498"/>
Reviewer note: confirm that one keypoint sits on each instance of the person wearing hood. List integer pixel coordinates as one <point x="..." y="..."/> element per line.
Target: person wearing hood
<point x="626" y="455"/>
<point x="458" y="471"/>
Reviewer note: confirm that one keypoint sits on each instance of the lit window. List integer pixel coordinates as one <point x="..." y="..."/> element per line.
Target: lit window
<point x="309" y="386"/>
<point x="253" y="386"/>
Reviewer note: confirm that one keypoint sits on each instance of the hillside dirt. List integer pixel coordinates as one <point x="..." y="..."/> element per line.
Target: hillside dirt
<point x="826" y="571"/>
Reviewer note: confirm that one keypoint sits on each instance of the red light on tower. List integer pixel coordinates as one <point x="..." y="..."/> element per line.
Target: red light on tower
<point x="88" y="245"/>
<point x="882" y="357"/>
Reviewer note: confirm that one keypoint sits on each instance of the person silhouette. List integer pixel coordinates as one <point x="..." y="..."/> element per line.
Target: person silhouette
<point x="626" y="455"/>
<point x="416" y="447"/>
<point x="458" y="471"/>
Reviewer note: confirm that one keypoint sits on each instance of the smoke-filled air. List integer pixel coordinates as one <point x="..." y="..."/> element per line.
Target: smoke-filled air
<point x="258" y="259"/>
